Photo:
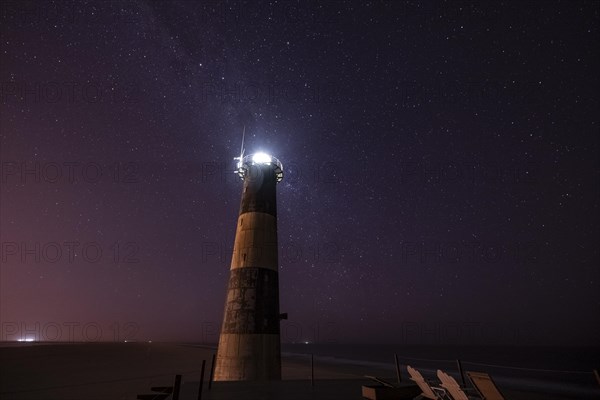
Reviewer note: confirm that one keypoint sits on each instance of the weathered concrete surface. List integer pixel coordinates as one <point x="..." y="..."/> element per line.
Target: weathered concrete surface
<point x="255" y="242"/>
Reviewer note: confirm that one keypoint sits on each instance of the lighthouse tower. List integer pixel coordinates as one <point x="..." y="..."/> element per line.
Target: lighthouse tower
<point x="249" y="344"/>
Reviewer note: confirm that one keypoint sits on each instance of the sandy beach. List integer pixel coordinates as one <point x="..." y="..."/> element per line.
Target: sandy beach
<point x="124" y="370"/>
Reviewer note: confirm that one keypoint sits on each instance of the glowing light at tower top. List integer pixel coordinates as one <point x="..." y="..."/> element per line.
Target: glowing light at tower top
<point x="259" y="158"/>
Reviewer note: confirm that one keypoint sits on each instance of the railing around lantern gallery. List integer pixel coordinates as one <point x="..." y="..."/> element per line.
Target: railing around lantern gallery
<point x="259" y="158"/>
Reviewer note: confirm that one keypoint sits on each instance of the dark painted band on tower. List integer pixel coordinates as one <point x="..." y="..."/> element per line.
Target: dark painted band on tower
<point x="252" y="301"/>
<point x="259" y="190"/>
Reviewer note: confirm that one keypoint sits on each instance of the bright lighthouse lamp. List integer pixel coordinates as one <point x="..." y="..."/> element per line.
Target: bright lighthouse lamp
<point x="261" y="158"/>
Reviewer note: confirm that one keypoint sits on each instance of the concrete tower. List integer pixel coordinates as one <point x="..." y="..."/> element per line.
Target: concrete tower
<point x="249" y="344"/>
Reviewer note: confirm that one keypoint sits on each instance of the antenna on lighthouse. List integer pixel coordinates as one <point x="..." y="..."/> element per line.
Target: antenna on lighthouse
<point x="241" y="157"/>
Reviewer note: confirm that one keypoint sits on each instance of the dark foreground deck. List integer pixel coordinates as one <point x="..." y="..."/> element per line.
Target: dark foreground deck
<point x="290" y="390"/>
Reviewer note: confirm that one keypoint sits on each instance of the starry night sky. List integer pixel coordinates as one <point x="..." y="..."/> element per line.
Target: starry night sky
<point x="441" y="167"/>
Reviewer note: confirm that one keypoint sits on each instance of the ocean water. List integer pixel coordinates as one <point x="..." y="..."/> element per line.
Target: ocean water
<point x="567" y="370"/>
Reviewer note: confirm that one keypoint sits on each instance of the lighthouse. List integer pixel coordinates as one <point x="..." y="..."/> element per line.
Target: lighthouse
<point x="249" y="343"/>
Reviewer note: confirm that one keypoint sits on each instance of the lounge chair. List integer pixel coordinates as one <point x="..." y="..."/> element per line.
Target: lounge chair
<point x="452" y="387"/>
<point x="485" y="386"/>
<point x="428" y="391"/>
